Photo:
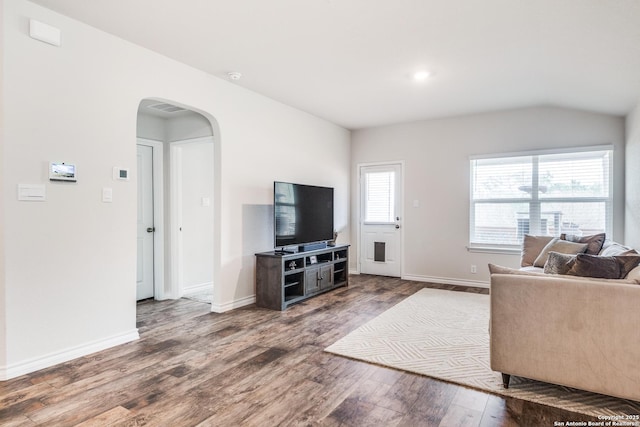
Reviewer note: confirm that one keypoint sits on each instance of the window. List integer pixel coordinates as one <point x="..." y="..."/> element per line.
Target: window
<point x="539" y="193"/>
<point x="379" y="197"/>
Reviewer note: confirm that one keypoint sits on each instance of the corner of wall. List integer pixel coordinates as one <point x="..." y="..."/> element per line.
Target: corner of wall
<point x="632" y="178"/>
<point x="3" y="300"/>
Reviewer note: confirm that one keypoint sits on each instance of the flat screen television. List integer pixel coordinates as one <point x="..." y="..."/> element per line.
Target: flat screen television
<point x="303" y="214"/>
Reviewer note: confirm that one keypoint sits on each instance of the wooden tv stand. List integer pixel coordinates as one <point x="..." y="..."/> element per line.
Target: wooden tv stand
<point x="285" y="279"/>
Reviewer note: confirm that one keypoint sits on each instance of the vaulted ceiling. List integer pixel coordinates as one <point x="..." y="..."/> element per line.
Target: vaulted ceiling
<point x="352" y="61"/>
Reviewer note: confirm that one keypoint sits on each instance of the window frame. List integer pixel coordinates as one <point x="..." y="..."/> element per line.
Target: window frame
<point x="535" y="198"/>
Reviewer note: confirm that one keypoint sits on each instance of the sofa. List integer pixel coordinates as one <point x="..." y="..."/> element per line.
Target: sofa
<point x="554" y="323"/>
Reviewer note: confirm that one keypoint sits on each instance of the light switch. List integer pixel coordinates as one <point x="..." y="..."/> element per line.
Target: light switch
<point x="416" y="203"/>
<point x="32" y="192"/>
<point x="206" y="201"/>
<point x="107" y="195"/>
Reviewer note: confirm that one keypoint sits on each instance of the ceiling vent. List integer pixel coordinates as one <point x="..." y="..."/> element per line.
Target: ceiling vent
<point x="167" y="108"/>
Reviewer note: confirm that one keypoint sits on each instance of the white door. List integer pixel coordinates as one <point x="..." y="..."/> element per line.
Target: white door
<point x="380" y="219"/>
<point x="146" y="229"/>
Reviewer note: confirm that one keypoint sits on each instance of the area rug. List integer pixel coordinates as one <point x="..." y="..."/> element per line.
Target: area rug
<point x="444" y="335"/>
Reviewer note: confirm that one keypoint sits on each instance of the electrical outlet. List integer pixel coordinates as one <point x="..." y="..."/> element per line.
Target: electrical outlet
<point x="474" y="269"/>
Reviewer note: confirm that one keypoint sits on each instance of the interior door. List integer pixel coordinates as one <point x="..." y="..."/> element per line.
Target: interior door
<point x="145" y="281"/>
<point x="380" y="220"/>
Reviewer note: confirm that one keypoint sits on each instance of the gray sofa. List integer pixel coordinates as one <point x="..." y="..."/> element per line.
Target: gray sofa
<point x="580" y="332"/>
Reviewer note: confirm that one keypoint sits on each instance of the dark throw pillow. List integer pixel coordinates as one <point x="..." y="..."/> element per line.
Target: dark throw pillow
<point x="604" y="267"/>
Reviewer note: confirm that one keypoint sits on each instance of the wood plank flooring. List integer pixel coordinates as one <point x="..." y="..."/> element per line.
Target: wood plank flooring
<point x="256" y="367"/>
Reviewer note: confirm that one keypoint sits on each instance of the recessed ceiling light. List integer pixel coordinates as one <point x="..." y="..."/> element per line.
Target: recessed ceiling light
<point x="421" y="75"/>
<point x="234" y="75"/>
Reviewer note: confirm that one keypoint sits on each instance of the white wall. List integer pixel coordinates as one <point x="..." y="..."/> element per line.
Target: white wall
<point x="3" y="301"/>
<point x="436" y="155"/>
<point x="632" y="178"/>
<point x="70" y="262"/>
<point x="197" y="219"/>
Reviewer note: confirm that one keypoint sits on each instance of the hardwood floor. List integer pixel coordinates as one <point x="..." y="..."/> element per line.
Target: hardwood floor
<point x="256" y="367"/>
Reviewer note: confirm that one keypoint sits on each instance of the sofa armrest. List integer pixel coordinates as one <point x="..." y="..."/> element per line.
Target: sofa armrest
<point x="577" y="333"/>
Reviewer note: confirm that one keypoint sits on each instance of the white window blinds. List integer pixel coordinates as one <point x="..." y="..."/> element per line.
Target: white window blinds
<point x="380" y="197"/>
<point x="541" y="194"/>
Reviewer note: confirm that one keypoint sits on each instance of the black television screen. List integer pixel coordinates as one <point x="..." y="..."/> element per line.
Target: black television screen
<point x="303" y="214"/>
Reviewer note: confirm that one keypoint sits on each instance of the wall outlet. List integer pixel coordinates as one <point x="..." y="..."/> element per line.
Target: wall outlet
<point x="474" y="269"/>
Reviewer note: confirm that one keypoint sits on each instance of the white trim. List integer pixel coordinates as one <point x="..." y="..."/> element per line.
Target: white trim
<point x="354" y="271"/>
<point x="221" y="308"/>
<point x="158" y="215"/>
<point x="51" y="359"/>
<point x="175" y="227"/>
<point x="447" y="281"/>
<point x="198" y="289"/>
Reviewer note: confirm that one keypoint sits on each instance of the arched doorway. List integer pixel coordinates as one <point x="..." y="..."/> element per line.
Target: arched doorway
<point x="176" y="178"/>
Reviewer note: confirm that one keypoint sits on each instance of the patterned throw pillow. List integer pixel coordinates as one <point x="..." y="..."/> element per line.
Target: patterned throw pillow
<point x="558" y="263"/>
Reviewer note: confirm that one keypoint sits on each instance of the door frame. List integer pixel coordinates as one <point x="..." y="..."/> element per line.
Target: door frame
<point x="359" y="168"/>
<point x="158" y="215"/>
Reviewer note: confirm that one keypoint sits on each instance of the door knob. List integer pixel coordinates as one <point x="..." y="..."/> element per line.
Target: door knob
<point x="397" y="226"/>
<point x="151" y="229"/>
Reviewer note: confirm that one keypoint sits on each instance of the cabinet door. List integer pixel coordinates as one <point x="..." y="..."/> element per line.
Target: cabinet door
<point x="326" y="277"/>
<point x="311" y="280"/>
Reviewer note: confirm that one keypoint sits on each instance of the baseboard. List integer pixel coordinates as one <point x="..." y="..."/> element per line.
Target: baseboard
<point x="197" y="289"/>
<point x="447" y="281"/>
<point x="21" y="368"/>
<point x="221" y="308"/>
<point x="354" y="271"/>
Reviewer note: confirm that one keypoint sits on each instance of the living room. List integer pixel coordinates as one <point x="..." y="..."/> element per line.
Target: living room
<point x="68" y="263"/>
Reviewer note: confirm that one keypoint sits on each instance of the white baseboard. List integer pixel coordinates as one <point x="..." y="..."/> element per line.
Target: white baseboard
<point x="221" y="308"/>
<point x="447" y="281"/>
<point x="51" y="359"/>
<point x="197" y="289"/>
<point x="354" y="271"/>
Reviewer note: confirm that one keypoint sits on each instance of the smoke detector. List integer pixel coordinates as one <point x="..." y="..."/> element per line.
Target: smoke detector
<point x="234" y="75"/>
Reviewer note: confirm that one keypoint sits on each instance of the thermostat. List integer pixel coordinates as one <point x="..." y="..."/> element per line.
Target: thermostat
<point x="121" y="174"/>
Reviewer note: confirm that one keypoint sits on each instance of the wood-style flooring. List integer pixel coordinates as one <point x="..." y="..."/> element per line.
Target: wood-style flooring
<point x="256" y="367"/>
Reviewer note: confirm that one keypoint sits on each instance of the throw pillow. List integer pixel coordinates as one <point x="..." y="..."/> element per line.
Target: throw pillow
<point x="558" y="263"/>
<point x="604" y="267"/>
<point x="531" y="248"/>
<point x="594" y="243"/>
<point x="634" y="274"/>
<point x="615" y="249"/>
<point x="562" y="246"/>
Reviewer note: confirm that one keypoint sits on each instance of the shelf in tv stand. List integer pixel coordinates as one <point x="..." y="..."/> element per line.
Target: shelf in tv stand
<point x="286" y="279"/>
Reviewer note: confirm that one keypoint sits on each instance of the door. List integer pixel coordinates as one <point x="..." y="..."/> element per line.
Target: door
<point x="380" y="219"/>
<point x="144" y="282"/>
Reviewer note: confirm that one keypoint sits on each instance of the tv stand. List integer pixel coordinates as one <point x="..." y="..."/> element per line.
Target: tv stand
<point x="286" y="279"/>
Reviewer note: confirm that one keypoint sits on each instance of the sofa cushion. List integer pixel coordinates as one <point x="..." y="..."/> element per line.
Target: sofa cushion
<point x="498" y="269"/>
<point x="531" y="248"/>
<point x="558" y="263"/>
<point x="561" y="246"/>
<point x="594" y="242"/>
<point x="605" y="267"/>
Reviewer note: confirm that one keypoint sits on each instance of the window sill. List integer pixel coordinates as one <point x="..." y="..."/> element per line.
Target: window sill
<point x="493" y="250"/>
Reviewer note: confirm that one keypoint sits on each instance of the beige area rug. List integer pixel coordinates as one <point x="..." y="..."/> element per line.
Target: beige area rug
<point x="444" y="334"/>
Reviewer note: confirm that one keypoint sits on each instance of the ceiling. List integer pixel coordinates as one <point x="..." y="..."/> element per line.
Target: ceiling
<point x="351" y="61"/>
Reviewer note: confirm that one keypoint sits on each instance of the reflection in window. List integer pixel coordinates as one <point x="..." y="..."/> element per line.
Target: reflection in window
<point x="285" y="210"/>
